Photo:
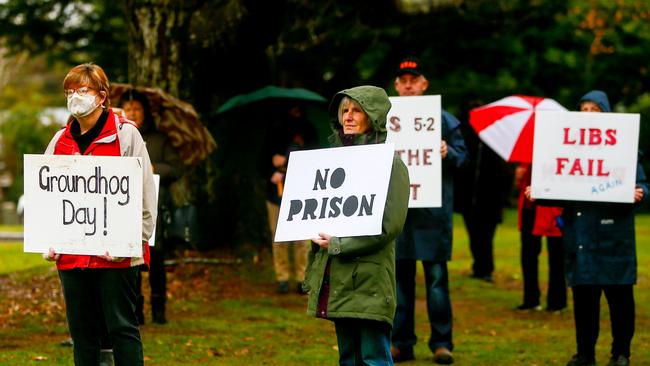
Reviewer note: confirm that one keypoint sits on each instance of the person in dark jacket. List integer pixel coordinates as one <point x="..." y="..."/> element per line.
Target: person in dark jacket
<point x="427" y="236"/>
<point x="600" y="257"/>
<point x="290" y="132"/>
<point x="167" y="163"/>
<point x="351" y="280"/>
<point x="483" y="187"/>
<point x="535" y="222"/>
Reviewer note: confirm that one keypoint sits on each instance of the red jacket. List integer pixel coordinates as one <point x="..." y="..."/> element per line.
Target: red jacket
<point x="545" y="216"/>
<point x="107" y="143"/>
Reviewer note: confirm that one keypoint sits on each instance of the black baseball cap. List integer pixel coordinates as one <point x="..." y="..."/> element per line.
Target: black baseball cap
<point x="409" y="65"/>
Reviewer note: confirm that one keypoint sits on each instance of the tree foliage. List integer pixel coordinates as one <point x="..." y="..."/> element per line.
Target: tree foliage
<point x="23" y="130"/>
<point x="206" y="51"/>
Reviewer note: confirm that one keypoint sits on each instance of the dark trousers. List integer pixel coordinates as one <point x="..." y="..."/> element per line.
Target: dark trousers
<point x="96" y="296"/>
<point x="531" y="247"/>
<point x="438" y="305"/>
<point x="363" y="342"/>
<point x="586" y="312"/>
<point x="481" y="243"/>
<point x="157" y="281"/>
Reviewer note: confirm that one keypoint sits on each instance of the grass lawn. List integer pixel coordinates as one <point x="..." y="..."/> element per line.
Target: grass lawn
<point x="230" y="315"/>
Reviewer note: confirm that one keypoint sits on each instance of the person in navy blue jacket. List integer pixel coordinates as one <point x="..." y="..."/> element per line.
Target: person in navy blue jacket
<point x="600" y="256"/>
<point x="427" y="236"/>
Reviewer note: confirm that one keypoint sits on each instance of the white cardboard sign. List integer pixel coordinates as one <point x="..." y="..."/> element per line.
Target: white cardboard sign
<point x="86" y="205"/>
<point x="338" y="191"/>
<point x="581" y="156"/>
<point x="414" y="125"/>
<point x="156" y="182"/>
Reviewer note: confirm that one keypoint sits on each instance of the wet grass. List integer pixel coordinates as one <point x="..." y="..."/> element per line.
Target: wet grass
<point x="230" y="315"/>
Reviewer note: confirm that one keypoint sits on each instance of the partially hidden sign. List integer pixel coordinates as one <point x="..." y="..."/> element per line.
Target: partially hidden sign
<point x="414" y="126"/>
<point x="338" y="191"/>
<point x="86" y="205"/>
<point x="581" y="156"/>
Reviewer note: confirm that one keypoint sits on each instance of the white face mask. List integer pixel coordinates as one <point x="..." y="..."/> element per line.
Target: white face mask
<point x="81" y="105"/>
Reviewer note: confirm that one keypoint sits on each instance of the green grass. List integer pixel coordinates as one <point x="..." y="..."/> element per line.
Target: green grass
<point x="12" y="259"/>
<point x="223" y="315"/>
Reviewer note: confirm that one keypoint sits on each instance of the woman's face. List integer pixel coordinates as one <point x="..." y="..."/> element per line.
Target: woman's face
<point x="589" y="106"/>
<point x="134" y="111"/>
<point x="83" y="99"/>
<point x="354" y="119"/>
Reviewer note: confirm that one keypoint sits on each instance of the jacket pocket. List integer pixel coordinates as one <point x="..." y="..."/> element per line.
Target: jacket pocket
<point x="371" y="279"/>
<point x="615" y="237"/>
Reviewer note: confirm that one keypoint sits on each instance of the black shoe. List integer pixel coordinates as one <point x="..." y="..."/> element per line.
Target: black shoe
<point x="400" y="355"/>
<point x="158" y="309"/>
<point x="158" y="317"/>
<point x="67" y="343"/>
<point x="525" y="306"/>
<point x="486" y="278"/>
<point x="579" y="360"/>
<point x="555" y="309"/>
<point x="106" y="357"/>
<point x="283" y="287"/>
<point x="619" y="360"/>
<point x="443" y="356"/>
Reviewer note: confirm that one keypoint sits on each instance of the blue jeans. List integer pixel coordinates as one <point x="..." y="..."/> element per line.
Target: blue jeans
<point x="438" y="305"/>
<point x="363" y="342"/>
<point x="97" y="300"/>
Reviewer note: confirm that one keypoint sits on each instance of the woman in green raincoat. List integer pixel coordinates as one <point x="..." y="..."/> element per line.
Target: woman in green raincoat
<point x="351" y="280"/>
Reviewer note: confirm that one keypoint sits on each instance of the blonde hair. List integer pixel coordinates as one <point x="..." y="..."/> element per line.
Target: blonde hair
<point x="90" y="75"/>
<point x="345" y="103"/>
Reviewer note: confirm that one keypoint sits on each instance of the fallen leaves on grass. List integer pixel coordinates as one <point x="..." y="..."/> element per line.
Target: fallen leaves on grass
<point x="38" y="296"/>
<point x="216" y="352"/>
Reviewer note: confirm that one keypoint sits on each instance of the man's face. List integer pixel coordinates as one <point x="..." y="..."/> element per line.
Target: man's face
<point x="410" y="85"/>
<point x="589" y="106"/>
<point x="354" y="120"/>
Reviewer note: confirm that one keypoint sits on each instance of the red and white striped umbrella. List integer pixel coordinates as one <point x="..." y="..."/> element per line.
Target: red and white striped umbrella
<point x="507" y="125"/>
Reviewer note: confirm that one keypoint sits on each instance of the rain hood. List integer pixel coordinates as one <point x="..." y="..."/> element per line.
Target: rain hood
<point x="599" y="97"/>
<point x="374" y="101"/>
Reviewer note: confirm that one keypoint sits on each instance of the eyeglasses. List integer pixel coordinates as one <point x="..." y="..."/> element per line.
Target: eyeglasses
<point x="80" y="91"/>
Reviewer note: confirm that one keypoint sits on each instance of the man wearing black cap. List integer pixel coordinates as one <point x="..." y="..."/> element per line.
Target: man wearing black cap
<point x="427" y="236"/>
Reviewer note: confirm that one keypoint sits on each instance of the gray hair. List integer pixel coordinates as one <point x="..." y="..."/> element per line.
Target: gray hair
<point x="345" y="102"/>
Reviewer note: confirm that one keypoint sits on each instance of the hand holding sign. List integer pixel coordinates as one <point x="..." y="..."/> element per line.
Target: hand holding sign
<point x="323" y="240"/>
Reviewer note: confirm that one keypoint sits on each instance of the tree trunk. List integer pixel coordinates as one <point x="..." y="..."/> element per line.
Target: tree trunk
<point x="158" y="33"/>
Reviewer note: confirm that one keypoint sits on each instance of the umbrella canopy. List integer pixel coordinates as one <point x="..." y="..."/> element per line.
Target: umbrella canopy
<point x="270" y="92"/>
<point x="175" y="118"/>
<point x="507" y="125"/>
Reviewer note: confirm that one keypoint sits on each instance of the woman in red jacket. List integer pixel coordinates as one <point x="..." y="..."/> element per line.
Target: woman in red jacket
<point x="100" y="290"/>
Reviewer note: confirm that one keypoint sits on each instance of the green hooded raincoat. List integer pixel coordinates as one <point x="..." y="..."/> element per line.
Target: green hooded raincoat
<point x="362" y="268"/>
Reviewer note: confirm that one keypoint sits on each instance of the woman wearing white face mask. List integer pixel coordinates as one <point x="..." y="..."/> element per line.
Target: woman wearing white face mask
<point x="99" y="291"/>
